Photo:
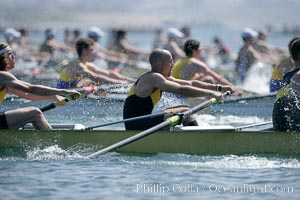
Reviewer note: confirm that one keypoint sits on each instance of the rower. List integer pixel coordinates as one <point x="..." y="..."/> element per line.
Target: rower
<point x="284" y="66"/>
<point x="192" y="68"/>
<point x="14" y="119"/>
<point x="248" y="55"/>
<point x="286" y="110"/>
<point x="82" y="71"/>
<point x="147" y="90"/>
<point x="49" y="45"/>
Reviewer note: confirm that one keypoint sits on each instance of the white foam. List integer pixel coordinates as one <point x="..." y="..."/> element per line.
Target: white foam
<point x="220" y="162"/>
<point x="206" y="119"/>
<point x="258" y="78"/>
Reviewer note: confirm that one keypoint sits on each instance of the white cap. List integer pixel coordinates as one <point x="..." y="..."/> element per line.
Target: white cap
<point x="249" y="33"/>
<point x="49" y="33"/>
<point x="174" y="32"/>
<point x="10" y="32"/>
<point x="95" y="31"/>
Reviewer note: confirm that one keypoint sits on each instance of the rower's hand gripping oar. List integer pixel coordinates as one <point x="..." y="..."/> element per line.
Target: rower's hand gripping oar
<point x="58" y="103"/>
<point x="171" y="121"/>
<point x="83" y="92"/>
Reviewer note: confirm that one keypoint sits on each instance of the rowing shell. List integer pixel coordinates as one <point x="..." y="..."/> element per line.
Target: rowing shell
<point x="187" y="140"/>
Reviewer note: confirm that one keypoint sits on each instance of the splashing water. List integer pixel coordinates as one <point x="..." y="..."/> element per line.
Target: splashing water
<point x="57" y="153"/>
<point x="258" y="78"/>
<point x="216" y="162"/>
<point x="208" y="120"/>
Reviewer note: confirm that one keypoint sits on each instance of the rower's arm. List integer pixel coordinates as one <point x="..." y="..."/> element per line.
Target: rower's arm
<point x="158" y="81"/>
<point x="13" y="84"/>
<point x="33" y="97"/>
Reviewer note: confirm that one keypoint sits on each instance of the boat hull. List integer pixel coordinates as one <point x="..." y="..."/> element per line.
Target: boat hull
<point x="186" y="142"/>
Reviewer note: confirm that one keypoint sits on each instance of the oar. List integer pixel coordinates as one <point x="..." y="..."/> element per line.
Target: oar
<point x="108" y="87"/>
<point x="84" y="91"/>
<point x="112" y="89"/>
<point x="54" y="105"/>
<point x="171" y="121"/>
<point x="249" y="98"/>
<point x="253" y="125"/>
<point x="126" y="120"/>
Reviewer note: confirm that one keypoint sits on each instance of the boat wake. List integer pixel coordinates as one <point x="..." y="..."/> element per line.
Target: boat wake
<point x="216" y="162"/>
<point x="79" y="153"/>
<point x="54" y="152"/>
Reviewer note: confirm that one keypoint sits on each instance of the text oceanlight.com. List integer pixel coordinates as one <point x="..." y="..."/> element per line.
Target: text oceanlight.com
<point x="213" y="188"/>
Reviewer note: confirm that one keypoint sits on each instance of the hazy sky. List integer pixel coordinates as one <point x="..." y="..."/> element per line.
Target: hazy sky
<point x="152" y="12"/>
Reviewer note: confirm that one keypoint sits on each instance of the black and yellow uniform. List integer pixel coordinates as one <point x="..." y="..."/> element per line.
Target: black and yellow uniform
<point x="3" y="121"/>
<point x="286" y="113"/>
<point x="277" y="78"/>
<point x="2" y="93"/>
<point x="179" y="65"/>
<point x="66" y="82"/>
<point x="136" y="106"/>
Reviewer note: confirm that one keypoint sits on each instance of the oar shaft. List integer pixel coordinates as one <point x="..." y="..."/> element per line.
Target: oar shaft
<point x="48" y="107"/>
<point x="200" y="107"/>
<point x="252" y="125"/>
<point x="250" y="98"/>
<point x="127" y="120"/>
<point x="135" y="137"/>
<point x="110" y="87"/>
<point x="171" y="121"/>
<point x="174" y="120"/>
<point x="203" y="105"/>
<point x="85" y="90"/>
<point x="53" y="105"/>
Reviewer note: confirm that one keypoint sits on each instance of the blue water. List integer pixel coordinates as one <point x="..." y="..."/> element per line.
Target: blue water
<point x="56" y="174"/>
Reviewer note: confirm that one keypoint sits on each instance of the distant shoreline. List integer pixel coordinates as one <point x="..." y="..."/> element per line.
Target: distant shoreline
<point x="130" y="22"/>
<point x="143" y="14"/>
